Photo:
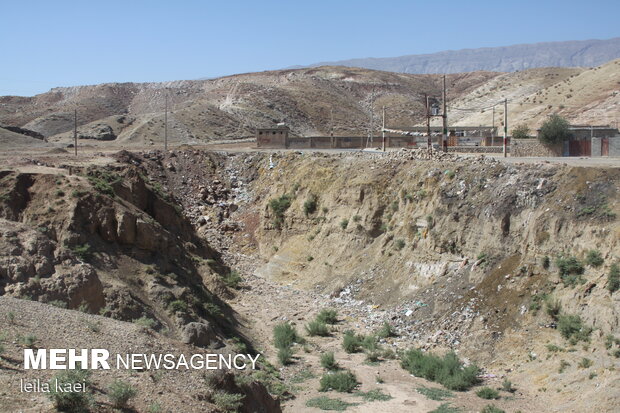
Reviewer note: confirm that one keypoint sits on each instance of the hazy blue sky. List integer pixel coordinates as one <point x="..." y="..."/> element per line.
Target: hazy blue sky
<point x="63" y="43"/>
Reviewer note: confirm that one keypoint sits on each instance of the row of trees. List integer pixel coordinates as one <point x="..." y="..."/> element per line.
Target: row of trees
<point x="554" y="130"/>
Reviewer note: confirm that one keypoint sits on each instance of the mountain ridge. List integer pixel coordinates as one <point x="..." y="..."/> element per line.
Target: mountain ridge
<point x="575" y="53"/>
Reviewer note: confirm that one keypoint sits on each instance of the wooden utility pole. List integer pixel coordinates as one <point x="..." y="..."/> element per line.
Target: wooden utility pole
<point x="429" y="144"/>
<point x="166" y="123"/>
<point x="493" y="128"/>
<point x="75" y="130"/>
<point x="505" y="126"/>
<point x="331" y="127"/>
<point x="383" y="131"/>
<point x="444" y="134"/>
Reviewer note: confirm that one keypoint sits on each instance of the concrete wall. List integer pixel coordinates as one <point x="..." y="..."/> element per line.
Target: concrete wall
<point x="614" y="146"/>
<point x="532" y="147"/>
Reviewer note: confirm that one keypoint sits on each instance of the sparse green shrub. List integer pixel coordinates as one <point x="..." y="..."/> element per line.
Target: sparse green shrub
<point x="84" y="307"/>
<point x="449" y="370"/>
<point x="310" y="205"/>
<point x="145" y="322"/>
<point x="521" y="131"/>
<point x="29" y="340"/>
<point x="489" y="408"/>
<point x="508" y="387"/>
<point x="285" y="335"/>
<point x="546" y="262"/>
<point x="154" y="408"/>
<point x="325" y="210"/>
<point x="613" y="279"/>
<point x="554" y="307"/>
<point x="430" y="222"/>
<point x="572" y="328"/>
<point x="279" y="207"/>
<point x="103" y="181"/>
<point x="325" y="403"/>
<point x="60" y="193"/>
<point x="328" y="315"/>
<point x="232" y="279"/>
<point x="71" y="402"/>
<point x="285" y="355"/>
<point x="351" y="343"/>
<point x="310" y="258"/>
<point x="394" y="206"/>
<point x="445" y="408"/>
<point x="95" y="327"/>
<point x="386" y="331"/>
<point x="585" y="363"/>
<point x="369" y="343"/>
<point x="328" y="361"/>
<point x="594" y="258"/>
<point x="177" y="306"/>
<point x="555" y="349"/>
<point x="570" y="269"/>
<point x="228" y="402"/>
<point x="488" y="393"/>
<point x="344" y="381"/>
<point x="435" y="393"/>
<point x="10" y="316"/>
<point x="83" y="252"/>
<point x="317" y="328"/>
<point x="120" y="393"/>
<point x="449" y="173"/>
<point x="400" y="244"/>
<point x="58" y="303"/>
<point x="344" y="223"/>
<point x="374" y="395"/>
<point x="357" y="218"/>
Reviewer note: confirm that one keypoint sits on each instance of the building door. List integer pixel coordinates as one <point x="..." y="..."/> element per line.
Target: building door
<point x="605" y="147"/>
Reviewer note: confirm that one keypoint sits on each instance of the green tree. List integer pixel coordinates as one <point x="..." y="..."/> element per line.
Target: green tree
<point x="554" y="130"/>
<point x="521" y="132"/>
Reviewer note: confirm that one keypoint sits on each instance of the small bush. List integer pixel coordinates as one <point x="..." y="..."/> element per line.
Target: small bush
<point x="374" y="395"/>
<point x="317" y="328"/>
<point x="449" y="173"/>
<point x="10" y="316"/>
<point x="400" y="244"/>
<point x="328" y="361"/>
<point x="325" y="403"/>
<point x="351" y="343"/>
<point x="120" y="392"/>
<point x="386" y="331"/>
<point x="488" y="393"/>
<point x="585" y="363"/>
<point x="279" y="207"/>
<point x="594" y="258"/>
<point x="83" y="252"/>
<point x="177" y="306"/>
<point x="447" y="370"/>
<point x="489" y="408"/>
<point x="344" y="223"/>
<point x="145" y="322"/>
<point x="285" y="335"/>
<point x="445" y="408"/>
<point x="285" y="355"/>
<point x="570" y="269"/>
<point x="563" y="365"/>
<point x="613" y="279"/>
<point x="29" y="340"/>
<point x="369" y="343"/>
<point x="435" y="393"/>
<point x="228" y="402"/>
<point x="232" y="279"/>
<point x="310" y="205"/>
<point x="344" y="382"/>
<point x="572" y="328"/>
<point x="58" y="303"/>
<point x="546" y="262"/>
<point x="328" y="316"/>
<point x="357" y="218"/>
<point x="508" y="387"/>
<point x="74" y="402"/>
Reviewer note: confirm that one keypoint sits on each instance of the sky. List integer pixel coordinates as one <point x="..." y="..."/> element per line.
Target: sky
<point x="45" y="44"/>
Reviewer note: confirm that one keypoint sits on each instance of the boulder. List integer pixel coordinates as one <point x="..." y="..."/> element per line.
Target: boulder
<point x="199" y="334"/>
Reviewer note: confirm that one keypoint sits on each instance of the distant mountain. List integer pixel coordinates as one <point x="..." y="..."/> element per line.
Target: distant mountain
<point x="584" y="53"/>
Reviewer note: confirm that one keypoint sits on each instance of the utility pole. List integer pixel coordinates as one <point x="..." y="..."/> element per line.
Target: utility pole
<point x="331" y="126"/>
<point x="372" y="103"/>
<point x="444" y="134"/>
<point x="429" y="144"/>
<point x="383" y="131"/>
<point x="505" y="126"/>
<point x="493" y="128"/>
<point x="75" y="130"/>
